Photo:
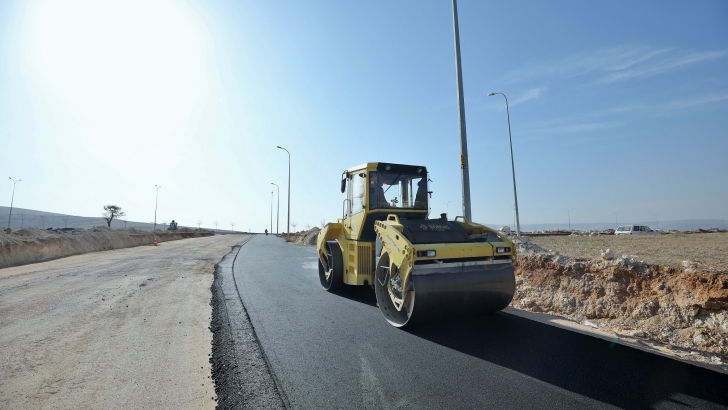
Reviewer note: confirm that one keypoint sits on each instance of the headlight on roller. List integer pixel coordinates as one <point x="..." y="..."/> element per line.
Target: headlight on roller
<point x="427" y="254"/>
<point x="503" y="249"/>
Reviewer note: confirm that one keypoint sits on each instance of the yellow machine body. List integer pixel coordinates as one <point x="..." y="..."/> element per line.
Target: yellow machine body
<point x="416" y="264"/>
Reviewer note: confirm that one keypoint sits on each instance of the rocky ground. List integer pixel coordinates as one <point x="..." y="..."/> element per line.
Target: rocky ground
<point x="667" y="289"/>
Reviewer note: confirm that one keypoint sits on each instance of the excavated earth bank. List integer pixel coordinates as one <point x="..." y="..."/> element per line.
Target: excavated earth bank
<point x="683" y="307"/>
<point x="22" y="246"/>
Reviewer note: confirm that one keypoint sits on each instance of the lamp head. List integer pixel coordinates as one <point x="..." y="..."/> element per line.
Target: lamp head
<point x="491" y="94"/>
<point x="278" y="146"/>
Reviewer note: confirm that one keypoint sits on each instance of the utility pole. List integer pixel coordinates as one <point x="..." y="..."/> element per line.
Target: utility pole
<point x="278" y="209"/>
<point x="656" y="221"/>
<point x="288" y="235"/>
<point x="12" y="199"/>
<point x="156" y="202"/>
<point x="616" y="224"/>
<point x="465" y="173"/>
<point x="568" y="215"/>
<point x="271" y="212"/>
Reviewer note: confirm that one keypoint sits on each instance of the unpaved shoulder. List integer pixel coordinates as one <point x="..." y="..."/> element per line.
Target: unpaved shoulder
<point x="116" y="329"/>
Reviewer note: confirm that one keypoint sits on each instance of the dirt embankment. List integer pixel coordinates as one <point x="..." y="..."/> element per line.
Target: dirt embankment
<point x="685" y="307"/>
<point x="307" y="237"/>
<point x="30" y="245"/>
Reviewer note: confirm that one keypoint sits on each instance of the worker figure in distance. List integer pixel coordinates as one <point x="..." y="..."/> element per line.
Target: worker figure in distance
<point x="266" y="231"/>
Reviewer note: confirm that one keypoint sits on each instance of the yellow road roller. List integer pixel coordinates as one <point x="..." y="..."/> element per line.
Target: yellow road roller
<point x="422" y="269"/>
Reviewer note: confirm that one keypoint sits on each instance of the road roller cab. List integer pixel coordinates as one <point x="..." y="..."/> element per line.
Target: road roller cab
<point x="422" y="269"/>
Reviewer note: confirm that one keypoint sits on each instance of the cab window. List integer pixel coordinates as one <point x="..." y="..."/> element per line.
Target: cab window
<point x="358" y="181"/>
<point x="397" y="190"/>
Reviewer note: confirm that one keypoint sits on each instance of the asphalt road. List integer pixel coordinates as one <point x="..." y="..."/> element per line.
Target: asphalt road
<point x="337" y="351"/>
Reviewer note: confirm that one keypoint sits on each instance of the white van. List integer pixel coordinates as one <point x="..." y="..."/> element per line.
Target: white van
<point x="635" y="230"/>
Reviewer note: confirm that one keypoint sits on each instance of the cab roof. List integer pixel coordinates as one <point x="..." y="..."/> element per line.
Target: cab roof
<point x="388" y="166"/>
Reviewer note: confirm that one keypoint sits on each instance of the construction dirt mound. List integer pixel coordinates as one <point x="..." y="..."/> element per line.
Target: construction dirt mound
<point x="29" y="245"/>
<point x="683" y="307"/>
<point x="305" y="237"/>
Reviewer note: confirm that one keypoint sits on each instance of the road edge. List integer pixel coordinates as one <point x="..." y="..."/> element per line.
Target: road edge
<point x="240" y="370"/>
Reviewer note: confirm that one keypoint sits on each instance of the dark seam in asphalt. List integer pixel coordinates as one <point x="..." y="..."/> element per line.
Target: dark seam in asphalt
<point x="279" y="387"/>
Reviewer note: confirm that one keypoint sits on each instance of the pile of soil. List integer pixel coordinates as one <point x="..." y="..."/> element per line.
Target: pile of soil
<point x="305" y="237"/>
<point x="29" y="245"/>
<point x="685" y="306"/>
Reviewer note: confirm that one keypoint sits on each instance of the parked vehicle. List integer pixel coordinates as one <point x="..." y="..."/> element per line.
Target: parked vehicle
<point x="635" y="230"/>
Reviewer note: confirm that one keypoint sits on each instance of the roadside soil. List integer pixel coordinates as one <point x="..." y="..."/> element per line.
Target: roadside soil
<point x="125" y="328"/>
<point x="29" y="245"/>
<point x="707" y="250"/>
<point x="668" y="293"/>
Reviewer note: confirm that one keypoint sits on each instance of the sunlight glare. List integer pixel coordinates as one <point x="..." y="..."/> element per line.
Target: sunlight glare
<point x="133" y="68"/>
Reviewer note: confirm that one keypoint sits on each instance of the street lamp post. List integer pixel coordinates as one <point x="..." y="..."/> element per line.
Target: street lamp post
<point x="616" y="223"/>
<point x="156" y="202"/>
<point x="656" y="221"/>
<point x="271" y="212"/>
<point x="278" y="210"/>
<point x="513" y="167"/>
<point x="447" y="207"/>
<point x="12" y="199"/>
<point x="288" y="230"/>
<point x="568" y="215"/>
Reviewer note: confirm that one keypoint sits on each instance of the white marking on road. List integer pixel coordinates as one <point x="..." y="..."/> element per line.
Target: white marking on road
<point x="370" y="388"/>
<point x="311" y="263"/>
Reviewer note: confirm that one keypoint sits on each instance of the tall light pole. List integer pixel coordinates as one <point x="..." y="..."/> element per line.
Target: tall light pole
<point x="447" y="206"/>
<point x="271" y="212"/>
<point x="656" y="221"/>
<point x="156" y="202"/>
<point x="513" y="167"/>
<point x="288" y="230"/>
<point x="568" y="215"/>
<point x="278" y="210"/>
<point x="12" y="199"/>
<point x="616" y="224"/>
<point x="461" y="113"/>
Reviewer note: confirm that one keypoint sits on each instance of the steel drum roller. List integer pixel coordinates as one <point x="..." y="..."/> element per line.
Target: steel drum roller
<point x="441" y="291"/>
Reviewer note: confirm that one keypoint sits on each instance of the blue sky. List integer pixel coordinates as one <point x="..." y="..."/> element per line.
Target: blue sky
<point x="615" y="106"/>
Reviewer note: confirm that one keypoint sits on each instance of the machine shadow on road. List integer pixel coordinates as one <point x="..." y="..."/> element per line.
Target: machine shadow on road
<point x="361" y="294"/>
<point x="592" y="367"/>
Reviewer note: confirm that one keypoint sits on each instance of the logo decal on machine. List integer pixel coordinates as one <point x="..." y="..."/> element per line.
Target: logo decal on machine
<point x="435" y="227"/>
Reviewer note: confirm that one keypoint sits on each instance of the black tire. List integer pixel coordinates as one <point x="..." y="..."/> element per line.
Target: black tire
<point x="335" y="262"/>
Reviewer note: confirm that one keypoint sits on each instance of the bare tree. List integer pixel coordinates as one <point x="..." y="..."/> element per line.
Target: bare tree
<point x="65" y="222"/>
<point x="112" y="211"/>
<point x="215" y="225"/>
<point x="42" y="221"/>
<point x="232" y="226"/>
<point x="294" y="226"/>
<point x="307" y="226"/>
<point x="199" y="223"/>
<point x="323" y="223"/>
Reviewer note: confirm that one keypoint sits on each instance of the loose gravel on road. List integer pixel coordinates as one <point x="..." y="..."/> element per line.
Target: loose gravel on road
<point x="115" y="329"/>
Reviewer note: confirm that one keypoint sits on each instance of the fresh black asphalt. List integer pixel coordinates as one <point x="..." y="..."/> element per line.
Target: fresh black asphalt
<point x="336" y="351"/>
